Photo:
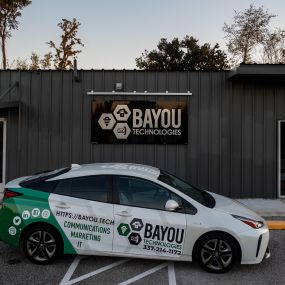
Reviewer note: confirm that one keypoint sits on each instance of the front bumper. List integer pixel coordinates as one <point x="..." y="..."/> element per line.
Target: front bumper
<point x="267" y="253"/>
<point x="254" y="245"/>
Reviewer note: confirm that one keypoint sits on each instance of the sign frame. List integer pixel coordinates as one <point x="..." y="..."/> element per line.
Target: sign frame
<point x="139" y="122"/>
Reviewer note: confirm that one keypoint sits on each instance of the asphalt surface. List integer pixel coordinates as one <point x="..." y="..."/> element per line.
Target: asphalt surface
<point x="16" y="269"/>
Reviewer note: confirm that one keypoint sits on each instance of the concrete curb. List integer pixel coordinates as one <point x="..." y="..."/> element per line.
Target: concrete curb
<point x="275" y="225"/>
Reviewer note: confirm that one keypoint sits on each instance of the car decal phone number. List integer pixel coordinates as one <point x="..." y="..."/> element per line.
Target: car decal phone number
<point x="162" y="249"/>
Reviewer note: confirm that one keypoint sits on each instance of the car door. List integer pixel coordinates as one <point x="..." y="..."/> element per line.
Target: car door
<point x="82" y="209"/>
<point x="142" y="225"/>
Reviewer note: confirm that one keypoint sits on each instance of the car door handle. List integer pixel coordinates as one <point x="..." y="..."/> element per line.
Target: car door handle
<point x="62" y="206"/>
<point x="123" y="214"/>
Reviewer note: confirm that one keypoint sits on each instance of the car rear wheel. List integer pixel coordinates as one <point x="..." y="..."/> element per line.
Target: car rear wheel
<point x="41" y="245"/>
<point x="217" y="253"/>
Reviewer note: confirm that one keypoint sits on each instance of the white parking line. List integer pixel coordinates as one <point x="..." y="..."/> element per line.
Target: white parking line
<point x="144" y="274"/>
<point x="70" y="270"/>
<point x="68" y="281"/>
<point x="171" y="274"/>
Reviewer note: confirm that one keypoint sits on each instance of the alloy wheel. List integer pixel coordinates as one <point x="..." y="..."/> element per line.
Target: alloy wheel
<point x="41" y="246"/>
<point x="216" y="254"/>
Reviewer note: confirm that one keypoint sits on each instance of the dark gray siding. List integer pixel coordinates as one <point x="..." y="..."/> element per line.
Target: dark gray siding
<point x="232" y="146"/>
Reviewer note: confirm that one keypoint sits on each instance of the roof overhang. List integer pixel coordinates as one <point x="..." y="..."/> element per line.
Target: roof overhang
<point x="259" y="72"/>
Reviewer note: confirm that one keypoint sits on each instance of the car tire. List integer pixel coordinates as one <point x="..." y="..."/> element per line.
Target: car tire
<point x="42" y="244"/>
<point x="217" y="252"/>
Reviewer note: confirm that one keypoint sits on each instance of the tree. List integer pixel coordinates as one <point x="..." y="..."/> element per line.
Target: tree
<point x="249" y="28"/>
<point x="186" y="54"/>
<point x="36" y="62"/>
<point x="46" y="61"/>
<point x="10" y="11"/>
<point x="21" y="64"/>
<point x="274" y="47"/>
<point x="66" y="49"/>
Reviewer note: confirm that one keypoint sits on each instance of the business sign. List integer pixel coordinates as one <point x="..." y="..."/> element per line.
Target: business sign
<point x="139" y="122"/>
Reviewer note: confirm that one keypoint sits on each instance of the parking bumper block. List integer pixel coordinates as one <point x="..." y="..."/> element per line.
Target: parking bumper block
<point x="275" y="225"/>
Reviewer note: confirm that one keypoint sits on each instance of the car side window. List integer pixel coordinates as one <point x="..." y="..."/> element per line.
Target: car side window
<point x="138" y="192"/>
<point x="95" y="188"/>
<point x="189" y="208"/>
<point x="63" y="187"/>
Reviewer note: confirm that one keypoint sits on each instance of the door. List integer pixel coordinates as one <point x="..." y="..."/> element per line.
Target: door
<point x="3" y="128"/>
<point x="142" y="225"/>
<point x="83" y="210"/>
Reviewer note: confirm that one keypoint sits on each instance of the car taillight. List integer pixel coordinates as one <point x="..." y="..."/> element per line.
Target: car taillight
<point x="10" y="194"/>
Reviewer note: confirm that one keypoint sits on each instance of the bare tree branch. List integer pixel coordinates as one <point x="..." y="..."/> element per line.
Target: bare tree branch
<point x="10" y="11"/>
<point x="249" y="28"/>
<point x="66" y="49"/>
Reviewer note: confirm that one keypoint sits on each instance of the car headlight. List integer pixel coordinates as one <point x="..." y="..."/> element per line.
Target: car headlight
<point x="252" y="223"/>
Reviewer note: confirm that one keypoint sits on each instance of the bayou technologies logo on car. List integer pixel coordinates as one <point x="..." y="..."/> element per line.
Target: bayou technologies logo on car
<point x="158" y="238"/>
<point x="129" y="121"/>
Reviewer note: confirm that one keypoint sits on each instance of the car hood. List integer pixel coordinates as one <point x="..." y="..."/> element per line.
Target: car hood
<point x="233" y="207"/>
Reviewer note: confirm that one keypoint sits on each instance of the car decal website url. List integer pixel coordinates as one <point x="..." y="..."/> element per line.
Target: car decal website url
<point x="81" y="217"/>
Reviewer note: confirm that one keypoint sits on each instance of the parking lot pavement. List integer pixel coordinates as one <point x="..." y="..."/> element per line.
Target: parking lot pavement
<point x="16" y="269"/>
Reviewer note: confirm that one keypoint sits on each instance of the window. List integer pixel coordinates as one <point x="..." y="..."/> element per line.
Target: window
<point x="45" y="186"/>
<point x="281" y="158"/>
<point x="42" y="176"/>
<point x="64" y="187"/>
<point x="196" y="194"/>
<point x="96" y="188"/>
<point x="142" y="193"/>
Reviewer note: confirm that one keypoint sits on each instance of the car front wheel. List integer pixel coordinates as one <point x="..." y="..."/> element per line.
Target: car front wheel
<point x="41" y="245"/>
<point x="217" y="253"/>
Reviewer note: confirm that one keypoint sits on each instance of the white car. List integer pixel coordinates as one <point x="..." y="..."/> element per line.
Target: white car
<point x="128" y="210"/>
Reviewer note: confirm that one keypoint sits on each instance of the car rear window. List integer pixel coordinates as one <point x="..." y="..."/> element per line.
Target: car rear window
<point x="38" y="180"/>
<point x="95" y="188"/>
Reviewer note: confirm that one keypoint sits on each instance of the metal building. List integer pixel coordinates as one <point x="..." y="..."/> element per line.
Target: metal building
<point x="235" y="134"/>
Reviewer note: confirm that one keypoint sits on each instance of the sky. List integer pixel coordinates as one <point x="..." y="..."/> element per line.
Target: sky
<point x="115" y="32"/>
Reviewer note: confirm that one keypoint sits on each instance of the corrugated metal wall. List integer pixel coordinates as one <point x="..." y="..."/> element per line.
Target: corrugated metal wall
<point x="232" y="146"/>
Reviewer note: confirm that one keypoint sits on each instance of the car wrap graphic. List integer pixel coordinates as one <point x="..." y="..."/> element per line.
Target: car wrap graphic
<point x="88" y="225"/>
<point x="19" y="212"/>
<point x="158" y="239"/>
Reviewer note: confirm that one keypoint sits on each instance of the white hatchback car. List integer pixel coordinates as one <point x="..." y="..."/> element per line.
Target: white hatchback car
<point x="128" y="210"/>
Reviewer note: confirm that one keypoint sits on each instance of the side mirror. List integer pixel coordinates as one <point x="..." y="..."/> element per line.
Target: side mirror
<point x="171" y="205"/>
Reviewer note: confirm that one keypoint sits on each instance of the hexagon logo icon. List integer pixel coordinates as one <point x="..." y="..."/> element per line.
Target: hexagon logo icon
<point x="136" y="224"/>
<point x="106" y="121"/>
<point x="122" y="131"/>
<point x="134" y="238"/>
<point x="123" y="229"/>
<point x="122" y="112"/>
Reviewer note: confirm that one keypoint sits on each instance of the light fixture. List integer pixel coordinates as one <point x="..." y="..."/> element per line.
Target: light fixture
<point x="119" y="86"/>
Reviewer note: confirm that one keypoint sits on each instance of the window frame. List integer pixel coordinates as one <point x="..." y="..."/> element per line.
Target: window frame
<point x="279" y="158"/>
<point x="116" y="199"/>
<point x="109" y="193"/>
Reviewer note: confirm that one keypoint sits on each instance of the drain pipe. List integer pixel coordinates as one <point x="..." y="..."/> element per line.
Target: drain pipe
<point x="75" y="72"/>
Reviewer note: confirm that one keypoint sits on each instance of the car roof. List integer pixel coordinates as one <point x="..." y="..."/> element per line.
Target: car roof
<point x="130" y="169"/>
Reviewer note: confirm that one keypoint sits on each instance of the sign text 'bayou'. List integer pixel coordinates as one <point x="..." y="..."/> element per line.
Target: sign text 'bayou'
<point x="139" y="122"/>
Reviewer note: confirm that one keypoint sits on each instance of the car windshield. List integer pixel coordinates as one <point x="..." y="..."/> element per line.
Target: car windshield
<point x="196" y="194"/>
